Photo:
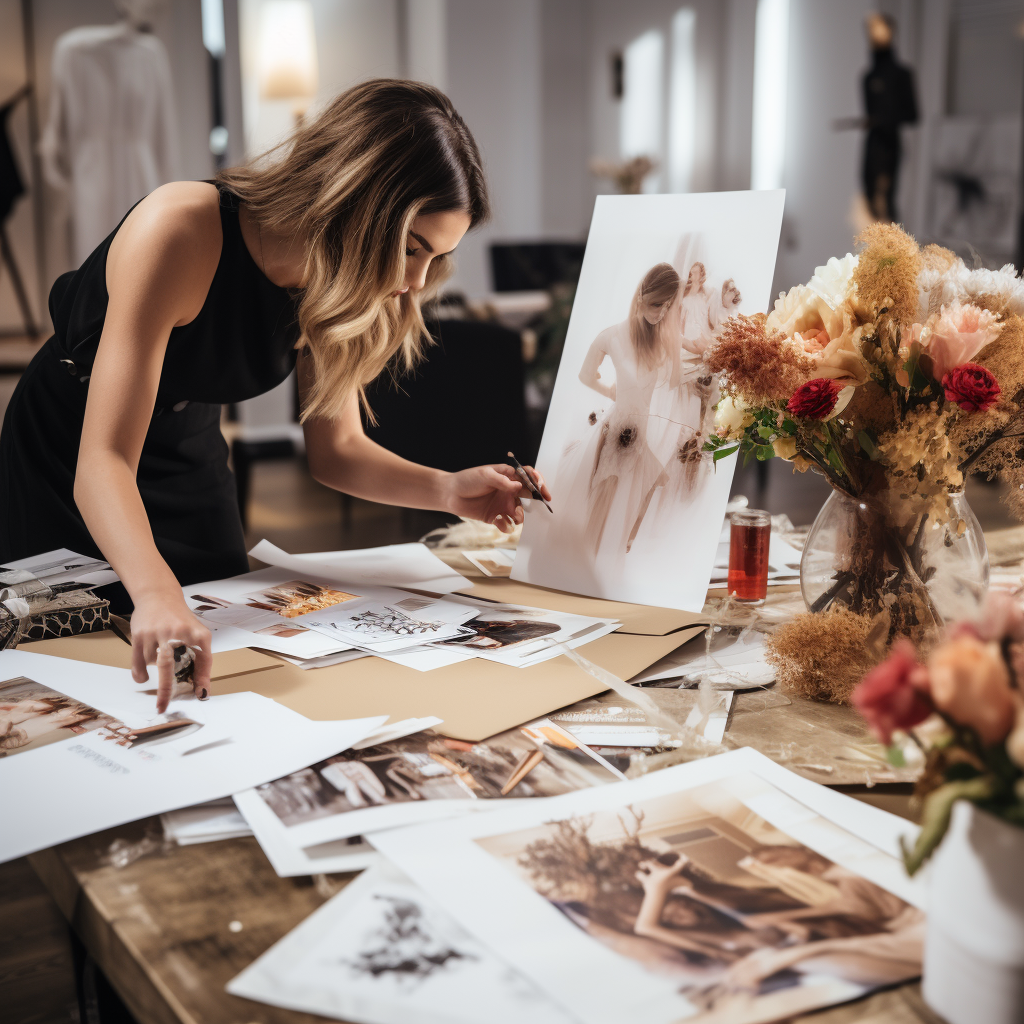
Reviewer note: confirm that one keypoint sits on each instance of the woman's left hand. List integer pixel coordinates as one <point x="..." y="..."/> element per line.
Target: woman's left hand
<point x="491" y="494"/>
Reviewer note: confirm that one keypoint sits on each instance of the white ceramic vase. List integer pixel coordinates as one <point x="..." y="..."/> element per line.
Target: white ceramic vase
<point x="974" y="951"/>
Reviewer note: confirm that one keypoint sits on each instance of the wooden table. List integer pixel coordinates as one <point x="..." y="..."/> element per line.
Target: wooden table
<point x="170" y="929"/>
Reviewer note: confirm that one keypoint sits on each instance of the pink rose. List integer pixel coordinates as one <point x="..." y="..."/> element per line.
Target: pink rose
<point x="969" y="681"/>
<point x="894" y="695"/>
<point x="955" y="335"/>
<point x="1002" y="618"/>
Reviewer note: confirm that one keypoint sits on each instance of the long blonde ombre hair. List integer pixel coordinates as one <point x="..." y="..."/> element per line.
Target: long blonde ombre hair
<point x="659" y="288"/>
<point x="350" y="182"/>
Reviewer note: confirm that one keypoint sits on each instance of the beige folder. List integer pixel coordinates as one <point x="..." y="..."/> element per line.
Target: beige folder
<point x="476" y="699"/>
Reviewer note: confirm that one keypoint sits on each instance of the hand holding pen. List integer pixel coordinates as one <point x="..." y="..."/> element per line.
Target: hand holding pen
<point x="532" y="482"/>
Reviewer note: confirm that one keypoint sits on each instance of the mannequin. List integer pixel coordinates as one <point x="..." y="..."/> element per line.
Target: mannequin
<point x="112" y="132"/>
<point x="889" y="103"/>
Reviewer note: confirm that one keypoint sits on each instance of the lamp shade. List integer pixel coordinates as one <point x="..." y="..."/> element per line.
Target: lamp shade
<point x="287" y="64"/>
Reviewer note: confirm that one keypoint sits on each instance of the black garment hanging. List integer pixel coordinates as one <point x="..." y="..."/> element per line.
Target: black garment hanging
<point x="889" y="102"/>
<point x="240" y="345"/>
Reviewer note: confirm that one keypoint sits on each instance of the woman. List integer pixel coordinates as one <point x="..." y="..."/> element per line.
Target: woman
<point x="643" y="352"/>
<point x="211" y="293"/>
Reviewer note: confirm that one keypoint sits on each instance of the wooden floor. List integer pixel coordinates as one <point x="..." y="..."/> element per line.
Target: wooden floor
<point x="36" y="971"/>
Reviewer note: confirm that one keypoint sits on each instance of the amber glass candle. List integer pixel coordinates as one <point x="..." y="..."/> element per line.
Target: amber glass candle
<point x="749" y="532"/>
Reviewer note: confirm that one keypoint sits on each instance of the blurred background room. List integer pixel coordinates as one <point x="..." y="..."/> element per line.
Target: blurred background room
<point x="908" y="110"/>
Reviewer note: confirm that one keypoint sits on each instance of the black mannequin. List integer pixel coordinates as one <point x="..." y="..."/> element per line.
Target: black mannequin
<point x="889" y="103"/>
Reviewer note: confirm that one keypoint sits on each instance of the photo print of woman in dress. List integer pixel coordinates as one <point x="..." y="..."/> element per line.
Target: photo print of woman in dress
<point x="639" y="503"/>
<point x="646" y="440"/>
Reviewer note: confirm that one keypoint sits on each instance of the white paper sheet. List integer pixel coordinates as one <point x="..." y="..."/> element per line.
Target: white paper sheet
<point x="425" y="777"/>
<point x="735" y="660"/>
<point x="383" y="952"/>
<point x="736" y="805"/>
<point x="65" y="566"/>
<point x="325" y="661"/>
<point x="205" y="823"/>
<point x="637" y="506"/>
<point x="394" y="565"/>
<point x="65" y="784"/>
<point x="290" y="860"/>
<point x="492" y="561"/>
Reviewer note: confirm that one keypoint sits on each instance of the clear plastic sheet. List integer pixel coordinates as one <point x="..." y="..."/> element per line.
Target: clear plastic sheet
<point x="123" y="852"/>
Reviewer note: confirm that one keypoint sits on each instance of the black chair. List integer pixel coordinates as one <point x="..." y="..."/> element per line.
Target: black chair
<point x="462" y="406"/>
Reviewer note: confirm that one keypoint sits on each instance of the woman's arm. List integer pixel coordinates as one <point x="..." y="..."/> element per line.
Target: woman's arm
<point x="159" y="269"/>
<point x="590" y="372"/>
<point x="342" y="456"/>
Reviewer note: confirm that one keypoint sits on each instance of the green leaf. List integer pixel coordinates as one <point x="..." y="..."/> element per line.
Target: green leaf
<point x="789" y="427"/>
<point x="868" y="445"/>
<point x="722" y="453"/>
<point x="938" y="808"/>
<point x="894" y="755"/>
<point x="766" y="432"/>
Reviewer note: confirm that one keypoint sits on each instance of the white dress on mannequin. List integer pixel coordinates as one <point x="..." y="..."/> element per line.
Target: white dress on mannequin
<point x="112" y="132"/>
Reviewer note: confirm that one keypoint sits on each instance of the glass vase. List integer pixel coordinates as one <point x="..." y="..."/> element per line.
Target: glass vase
<point x="877" y="554"/>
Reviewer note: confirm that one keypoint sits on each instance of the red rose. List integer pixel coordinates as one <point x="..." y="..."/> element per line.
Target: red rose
<point x="894" y="695"/>
<point x="814" y="400"/>
<point x="971" y="386"/>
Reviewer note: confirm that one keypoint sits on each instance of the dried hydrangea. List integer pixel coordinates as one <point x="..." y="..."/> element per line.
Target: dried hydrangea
<point x="763" y="368"/>
<point x="886" y="274"/>
<point x="823" y="656"/>
<point x="921" y="462"/>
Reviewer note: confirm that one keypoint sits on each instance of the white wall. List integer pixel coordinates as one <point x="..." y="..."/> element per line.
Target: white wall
<point x="494" y="80"/>
<point x="356" y="39"/>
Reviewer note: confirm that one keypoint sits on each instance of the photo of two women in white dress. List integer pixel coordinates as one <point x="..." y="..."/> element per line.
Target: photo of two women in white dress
<point x="633" y="405"/>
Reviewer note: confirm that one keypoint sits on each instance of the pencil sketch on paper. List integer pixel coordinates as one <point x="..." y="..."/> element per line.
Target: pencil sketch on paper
<point x="402" y="945"/>
<point x="633" y="405"/>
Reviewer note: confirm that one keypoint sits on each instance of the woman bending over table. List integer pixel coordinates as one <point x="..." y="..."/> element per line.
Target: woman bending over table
<point x="212" y="292"/>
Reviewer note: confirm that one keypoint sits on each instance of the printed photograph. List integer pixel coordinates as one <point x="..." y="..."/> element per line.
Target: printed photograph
<point x="245" y="616"/>
<point x="33" y="715"/>
<point x="535" y="760"/>
<point x="695" y="885"/>
<point x="633" y="403"/>
<point x="297" y="597"/>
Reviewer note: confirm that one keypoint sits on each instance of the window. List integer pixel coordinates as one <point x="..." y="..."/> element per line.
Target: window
<point x="640" y="127"/>
<point x="682" y="101"/>
<point x="771" y="46"/>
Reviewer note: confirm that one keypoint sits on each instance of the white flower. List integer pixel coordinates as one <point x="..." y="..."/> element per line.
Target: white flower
<point x="833" y="282"/>
<point x="999" y="289"/>
<point x="732" y="417"/>
<point x="842" y="401"/>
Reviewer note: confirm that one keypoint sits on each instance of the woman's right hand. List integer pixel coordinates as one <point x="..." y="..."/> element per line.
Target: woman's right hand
<point x="156" y="621"/>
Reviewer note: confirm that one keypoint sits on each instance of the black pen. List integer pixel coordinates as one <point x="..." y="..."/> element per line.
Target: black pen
<point x="529" y="482"/>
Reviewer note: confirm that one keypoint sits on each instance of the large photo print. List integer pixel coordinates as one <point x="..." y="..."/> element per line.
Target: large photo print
<point x="638" y="502"/>
<point x="696" y="886"/>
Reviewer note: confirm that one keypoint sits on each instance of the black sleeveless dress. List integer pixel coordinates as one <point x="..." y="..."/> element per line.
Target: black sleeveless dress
<point x="240" y="345"/>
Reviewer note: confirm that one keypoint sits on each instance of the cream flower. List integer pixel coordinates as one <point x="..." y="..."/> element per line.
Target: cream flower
<point x="785" y="447"/>
<point x="828" y="335"/>
<point x="833" y="282"/>
<point x="842" y="401"/>
<point x="955" y="335"/>
<point x="732" y="417"/>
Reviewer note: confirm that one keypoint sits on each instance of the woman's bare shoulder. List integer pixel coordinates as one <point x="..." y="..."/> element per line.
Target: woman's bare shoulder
<point x="172" y="238"/>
